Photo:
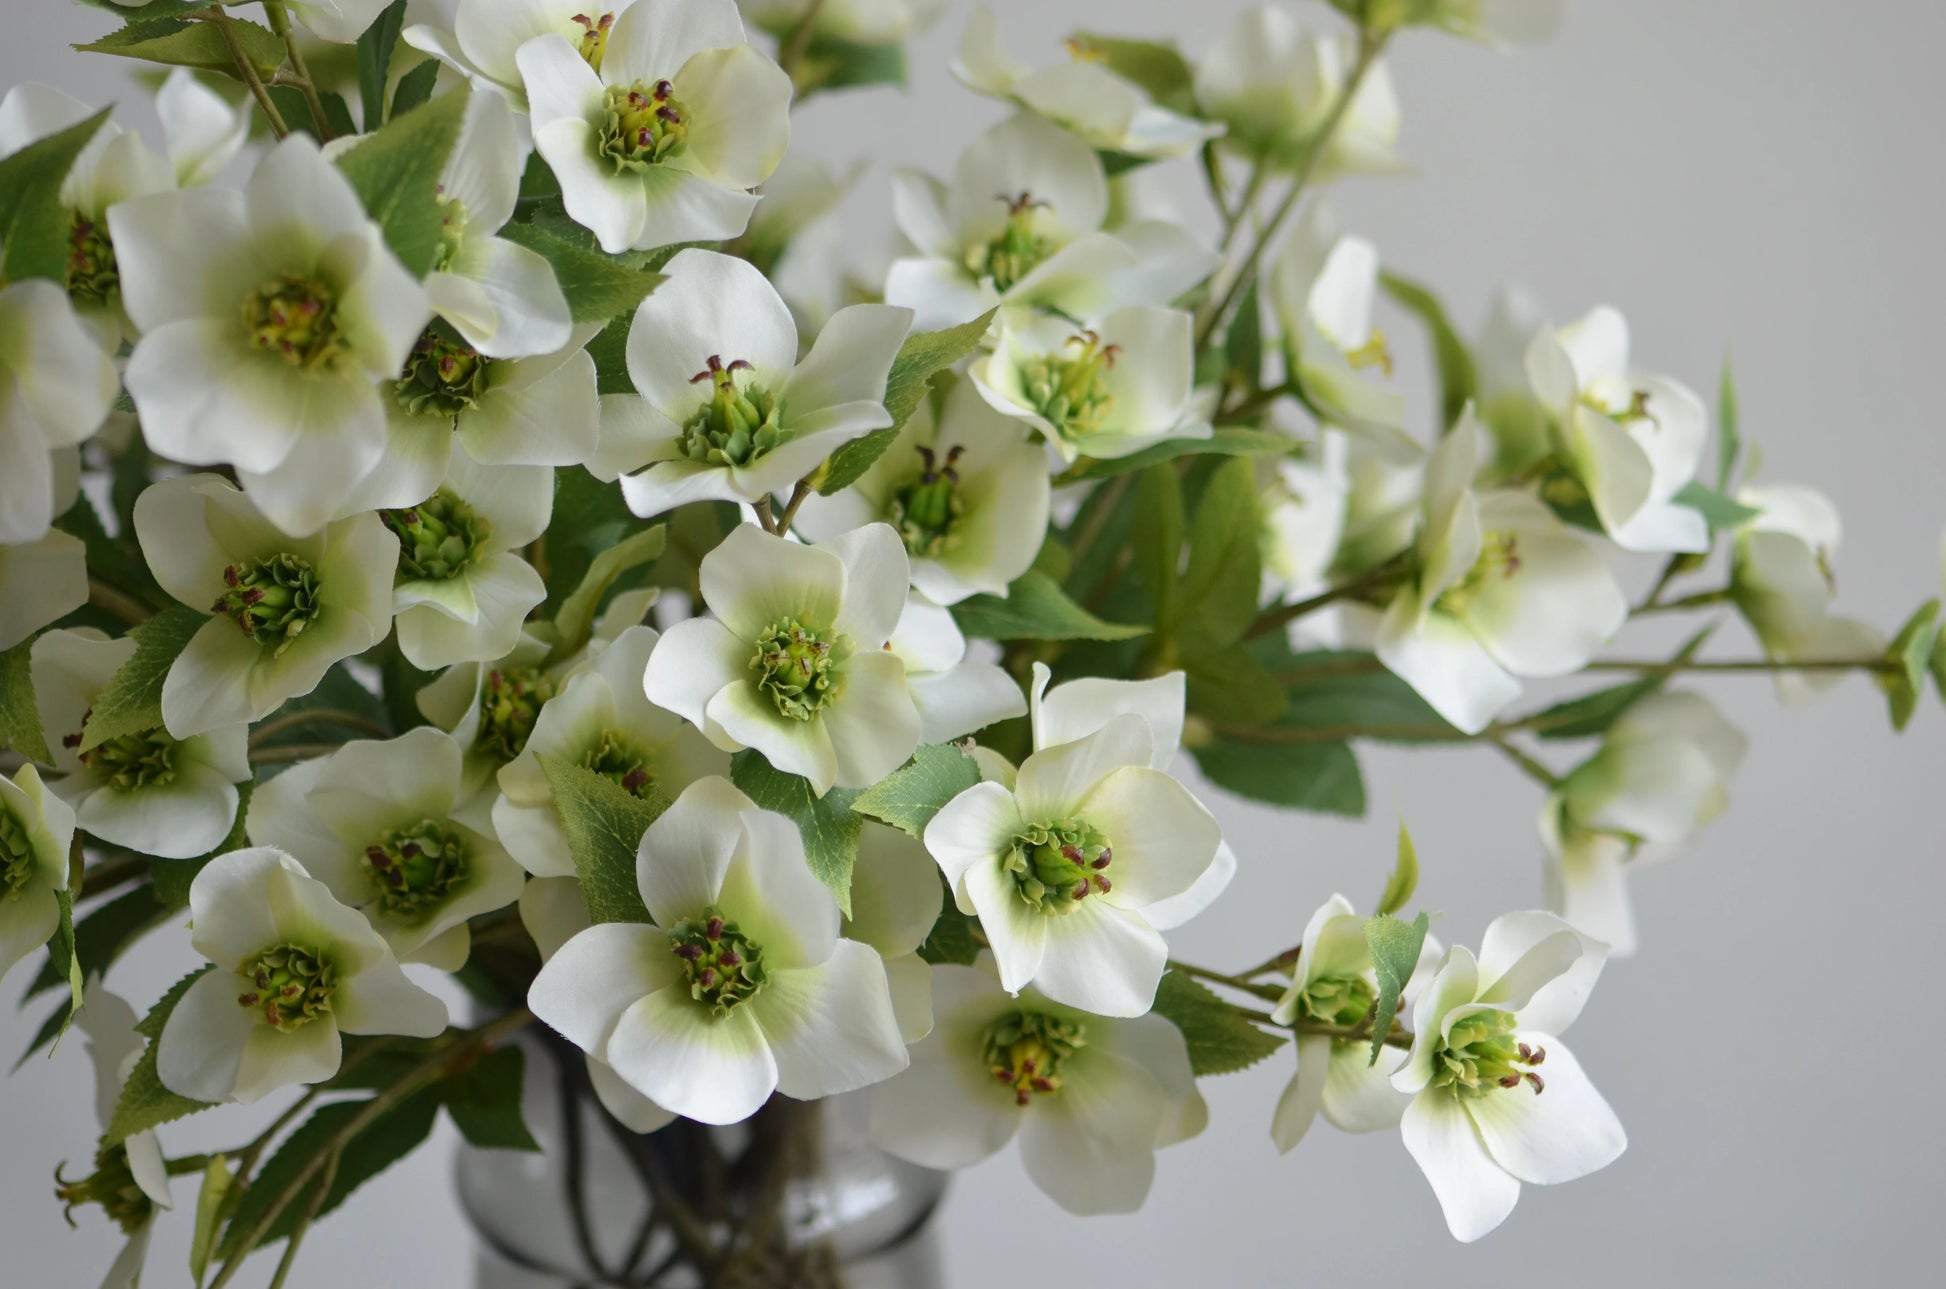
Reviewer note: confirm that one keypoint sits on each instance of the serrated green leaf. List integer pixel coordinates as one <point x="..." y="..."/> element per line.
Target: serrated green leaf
<point x="1344" y="690"/>
<point x="1718" y="510"/>
<point x="20" y="715"/>
<point x="375" y="61"/>
<point x="1590" y="715"/>
<point x="1405" y="875"/>
<point x="1155" y="67"/>
<point x="1234" y="441"/>
<point x="1155" y="542"/>
<point x="175" y="43"/>
<point x="609" y="349"/>
<point x="131" y="702"/>
<point x="910" y="796"/>
<point x="829" y="828"/>
<point x="1036" y="608"/>
<point x="1458" y="378"/>
<point x="415" y="87"/>
<point x="1305" y="776"/>
<point x="954" y="937"/>
<point x="395" y="171"/>
<point x="34" y="224"/>
<point x="1220" y="587"/>
<point x="216" y="1198"/>
<point x="604" y="823"/>
<point x="1395" y="949"/>
<point x="1220" y="1041"/>
<point x="1729" y="436"/>
<point x="922" y="356"/>
<point x="598" y="286"/>
<point x="485" y="1102"/>
<point x="63" y="960"/>
<point x="576" y="619"/>
<point x="1231" y="687"/>
<point x="144" y="1102"/>
<point x="1910" y="653"/>
<point x="102" y="935"/>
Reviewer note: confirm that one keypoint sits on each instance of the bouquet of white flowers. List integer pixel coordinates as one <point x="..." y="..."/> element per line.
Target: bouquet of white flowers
<point x="500" y="537"/>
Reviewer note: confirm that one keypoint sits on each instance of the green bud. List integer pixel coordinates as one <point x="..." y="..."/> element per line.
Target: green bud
<point x="1336" y="1000"/>
<point x="797" y="665"/>
<point x="93" y="276"/>
<point x="1070" y="388"/>
<point x="510" y="703"/>
<point x="16" y="855"/>
<point x="926" y="510"/>
<point x="1059" y="863"/>
<point x="291" y="986"/>
<point x="439" y="538"/>
<point x="272" y="600"/>
<point x="617" y="756"/>
<point x="113" y="1186"/>
<point x="416" y="867"/>
<point x="296" y="318"/>
<point x="1026" y="1050"/>
<point x="644" y="124"/>
<point x="724" y="966"/>
<point x="738" y="424"/>
<point x="1019" y="249"/>
<point x="442" y="377"/>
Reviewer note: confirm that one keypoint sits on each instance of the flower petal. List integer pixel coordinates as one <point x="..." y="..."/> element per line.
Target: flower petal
<point x="1474" y="1192"/>
<point x="584" y="989"/>
<point x="1557" y="1135"/>
<point x="671" y="1049"/>
<point x="831" y="1027"/>
<point x="1101" y="959"/>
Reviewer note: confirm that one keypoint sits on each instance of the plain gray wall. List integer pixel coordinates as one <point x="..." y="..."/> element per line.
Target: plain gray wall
<point x="1762" y="174"/>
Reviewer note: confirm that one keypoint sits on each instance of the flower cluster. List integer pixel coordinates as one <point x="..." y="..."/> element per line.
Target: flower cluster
<point x="501" y="538"/>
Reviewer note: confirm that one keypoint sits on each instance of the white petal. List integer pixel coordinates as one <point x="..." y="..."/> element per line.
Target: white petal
<point x="530" y="312"/>
<point x="633" y="1110"/>
<point x="1017" y="934"/>
<point x="554" y="420"/>
<point x="685" y="207"/>
<point x="1557" y="1135"/>
<point x="752" y="580"/>
<point x="1163" y="838"/>
<point x="274" y="1059"/>
<point x="1441" y="658"/>
<point x="1090" y="1148"/>
<point x="973" y="830"/>
<point x="709" y="305"/>
<point x="382" y="1000"/>
<point x="673" y="1051"/>
<point x="614" y="208"/>
<point x="188" y="817"/>
<point x="1055" y="781"/>
<point x="1474" y="1193"/>
<point x="1077" y="708"/>
<point x="944" y="1112"/>
<point x="966" y="698"/>
<point x="740" y="106"/>
<point x="560" y="84"/>
<point x="201" y="131"/>
<point x="656" y="40"/>
<point x="598" y="975"/>
<point x="744" y="716"/>
<point x="692" y="663"/>
<point x="1358" y="1095"/>
<point x="939" y="292"/>
<point x="504" y="588"/>
<point x="201" y="1046"/>
<point x="850" y="358"/>
<point x="684" y="855"/>
<point x="1298" y="1107"/>
<point x="1101" y="959"/>
<point x="831" y="1027"/>
<point x="872" y="724"/>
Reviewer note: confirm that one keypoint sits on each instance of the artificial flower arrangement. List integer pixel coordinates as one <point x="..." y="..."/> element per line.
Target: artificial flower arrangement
<point x="494" y="537"/>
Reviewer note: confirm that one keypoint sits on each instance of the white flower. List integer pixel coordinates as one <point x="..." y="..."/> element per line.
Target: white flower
<point x="286" y="608"/>
<point x="1505" y="398"/>
<point x="861" y="22"/>
<point x="293" y="969"/>
<point x="147" y="791"/>
<point x="200" y="131"/>
<point x="895" y="900"/>
<point x="955" y="695"/>
<point x="599" y="720"/>
<point x="741" y="988"/>
<point x="487" y="34"/>
<point x="1323" y="288"/>
<point x="1497" y="1099"/>
<point x="269" y="317"/>
<point x="726" y="412"/>
<point x="502" y="298"/>
<point x="343" y="21"/>
<point x="462" y="588"/>
<point x="1334" y="983"/>
<point x="1303" y="504"/>
<point x="1782" y="579"/>
<point x="1104" y="110"/>
<point x="793" y="663"/>
<point x="1632" y="439"/>
<point x="662" y="143"/>
<point x="1663" y="772"/>
<point x="40" y="582"/>
<point x="1063" y="866"/>
<point x="56" y="388"/>
<point x="1502" y="590"/>
<point x="1102" y="391"/>
<point x="1273" y="84"/>
<point x="114" y="1046"/>
<point x="1496" y="22"/>
<point x="1091" y="1099"/>
<point x="966" y="488"/>
<point x="36" y="829"/>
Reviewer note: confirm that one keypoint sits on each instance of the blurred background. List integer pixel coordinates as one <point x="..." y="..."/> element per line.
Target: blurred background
<point x="1761" y="176"/>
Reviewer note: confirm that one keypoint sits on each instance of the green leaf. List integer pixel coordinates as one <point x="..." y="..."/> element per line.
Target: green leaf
<point x="1458" y="379"/>
<point x="1231" y="442"/>
<point x="1910" y="653"/>
<point x="829" y="827"/>
<point x="598" y="287"/>
<point x="589" y="519"/>
<point x="131" y="703"/>
<point x="175" y="43"/>
<point x="1347" y="690"/>
<point x="1729" y="437"/>
<point x="375" y="61"/>
<point x="1225" y="573"/>
<point x="144" y="1102"/>
<point x="1156" y="542"/>
<point x="63" y="960"/>
<point x="415" y="87"/>
<point x="396" y="174"/>
<point x="604" y="823"/>
<point x="1590" y="715"/>
<point x="1721" y="512"/>
<point x="1220" y="1041"/>
<point x="1036" y="608"/>
<point x="102" y="936"/>
<point x="1156" y="67"/>
<point x="1306" y="776"/>
<point x="923" y="355"/>
<point x="1405" y="875"/>
<point x="171" y="878"/>
<point x="485" y="1102"/>
<point x="1243" y="343"/>
<point x="576" y="618"/>
<point x="1231" y="687"/>
<point x="34" y="222"/>
<point x="609" y="349"/>
<point x="153" y="9"/>
<point x="830" y="63"/>
<point x="1395" y="949"/>
<point x="215" y="1200"/>
<point x="910" y="796"/>
<point x="954" y="937"/>
<point x="20" y="715"/>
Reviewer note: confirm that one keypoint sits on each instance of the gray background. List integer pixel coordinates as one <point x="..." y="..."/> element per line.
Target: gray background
<point x="1755" y="173"/>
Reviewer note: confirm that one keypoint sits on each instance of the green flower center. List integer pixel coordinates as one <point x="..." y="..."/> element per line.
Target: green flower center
<point x="134" y="761"/>
<point x="1059" y="863"/>
<point x="1499" y="561"/>
<point x="1336" y="1000"/>
<point x="16" y="855"/>
<point x="510" y="703"/>
<point x="725" y="967"/>
<point x="439" y="538"/>
<point x="740" y="422"/>
<point x="926" y="510"/>
<point x="272" y="600"/>
<point x="92" y="273"/>
<point x="113" y="1186"/>
<point x="593" y="42"/>
<point x="1025" y="1051"/>
<point x="296" y="318"/>
<point x="442" y="377"/>
<point x="452" y="229"/>
<point x="291" y="986"/>
<point x="798" y="666"/>
<point x="1481" y="1055"/>
<point x="1070" y="388"/>
<point x="616" y="755"/>
<point x="644" y="125"/>
<point x="1019" y="249"/>
<point x="416" y="867"/>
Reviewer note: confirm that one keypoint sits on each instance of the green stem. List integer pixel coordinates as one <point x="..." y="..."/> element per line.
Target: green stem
<point x="1257" y="402"/>
<point x="246" y="69"/>
<point x="1213" y="176"/>
<point x="280" y="23"/>
<point x="1273" y="619"/>
<point x="798" y="494"/>
<point x="118" y="603"/>
<point x="790" y="53"/>
<point x="293" y="751"/>
<point x="1534" y="769"/>
<point x="1700" y="600"/>
<point x="316" y="716"/>
<point x="304" y="1220"/>
<point x="1742" y="665"/>
<point x="1270" y="993"/>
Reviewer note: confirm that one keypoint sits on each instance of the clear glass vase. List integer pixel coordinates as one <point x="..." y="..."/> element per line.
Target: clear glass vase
<point x="795" y="1196"/>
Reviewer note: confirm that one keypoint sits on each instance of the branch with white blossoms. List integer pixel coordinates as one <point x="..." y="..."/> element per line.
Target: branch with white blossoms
<point x="470" y="510"/>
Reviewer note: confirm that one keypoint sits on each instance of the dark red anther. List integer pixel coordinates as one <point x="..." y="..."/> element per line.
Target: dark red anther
<point x="1509" y="1080"/>
<point x="246" y="1000"/>
<point x="742" y="364"/>
<point x="1535" y="1079"/>
<point x="1022" y="1097"/>
<point x="411" y="849"/>
<point x="715" y="365"/>
<point x="714" y="929"/>
<point x="72" y="740"/>
<point x="664" y="90"/>
<point x="689" y="952"/>
<point x="635" y="778"/>
<point x="1074" y="854"/>
<point x="669" y="114"/>
<point x="730" y="958"/>
<point x="378" y="857"/>
<point x="230" y="576"/>
<point x="708" y="978"/>
<point x="1104" y="859"/>
<point x="1103" y="885"/>
<point x="1081" y="891"/>
<point x="1043" y="1085"/>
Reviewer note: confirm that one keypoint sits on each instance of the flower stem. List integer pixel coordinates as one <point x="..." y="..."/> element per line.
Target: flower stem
<point x="798" y="494"/>
<point x="118" y="603"/>
<point x="1533" y="768"/>
<point x="1272" y="619"/>
<point x="280" y="23"/>
<point x="1270" y="993"/>
<point x="790" y="53"/>
<point x="316" y="716"/>
<point x="246" y="69"/>
<point x="305" y="1219"/>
